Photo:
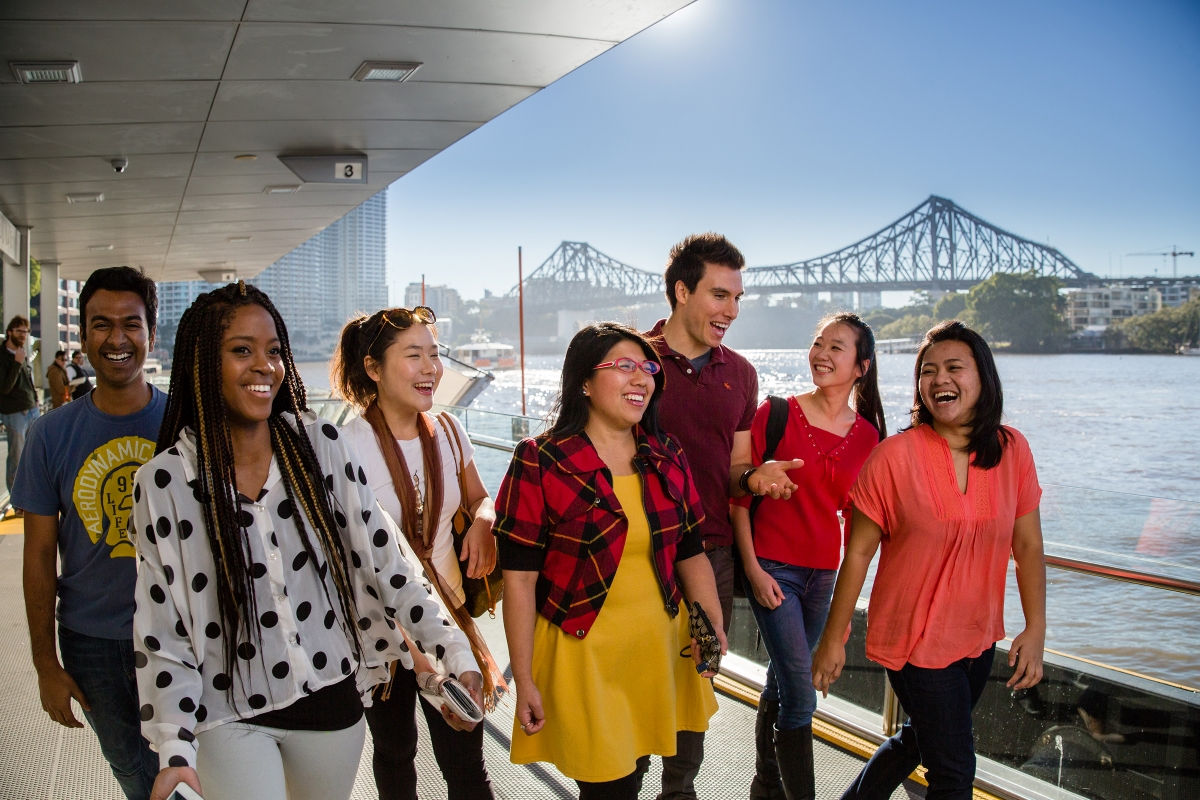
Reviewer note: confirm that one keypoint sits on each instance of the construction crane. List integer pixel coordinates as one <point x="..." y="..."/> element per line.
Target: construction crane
<point x="1174" y="253"/>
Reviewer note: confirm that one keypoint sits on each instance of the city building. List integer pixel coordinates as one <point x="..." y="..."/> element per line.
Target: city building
<point x="1097" y="307"/>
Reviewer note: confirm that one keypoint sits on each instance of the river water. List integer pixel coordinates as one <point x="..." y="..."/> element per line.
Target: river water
<point x="1116" y="439"/>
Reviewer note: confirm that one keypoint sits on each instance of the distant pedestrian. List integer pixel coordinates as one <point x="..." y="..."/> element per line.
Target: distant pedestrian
<point x="76" y="486"/>
<point x="58" y="381"/>
<point x="18" y="398"/>
<point x="80" y="376"/>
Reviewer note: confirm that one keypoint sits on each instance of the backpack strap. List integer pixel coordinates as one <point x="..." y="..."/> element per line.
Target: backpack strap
<point x="777" y="416"/>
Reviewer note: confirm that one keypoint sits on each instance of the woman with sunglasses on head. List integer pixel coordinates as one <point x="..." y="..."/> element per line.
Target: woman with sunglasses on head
<point x="388" y="366"/>
<point x="598" y="524"/>
<point x="269" y="583"/>
<point x="790" y="555"/>
<point x="947" y="501"/>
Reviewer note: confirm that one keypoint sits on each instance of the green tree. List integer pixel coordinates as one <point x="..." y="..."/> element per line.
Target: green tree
<point x="950" y="306"/>
<point x="908" y="325"/>
<point x="1025" y="310"/>
<point x="1161" y="332"/>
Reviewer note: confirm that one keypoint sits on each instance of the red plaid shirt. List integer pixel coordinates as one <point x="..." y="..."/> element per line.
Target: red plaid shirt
<point x="557" y="513"/>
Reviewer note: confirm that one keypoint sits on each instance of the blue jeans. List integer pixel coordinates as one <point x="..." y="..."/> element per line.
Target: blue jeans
<point x="938" y="731"/>
<point x="15" y="426"/>
<point x="790" y="632"/>
<point x="103" y="669"/>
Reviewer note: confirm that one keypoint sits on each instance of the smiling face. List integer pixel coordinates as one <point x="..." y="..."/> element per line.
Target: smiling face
<point x="117" y="337"/>
<point x="949" y="385"/>
<point x="251" y="366"/>
<point x="410" y="371"/>
<point x="833" y="357"/>
<point x="707" y="312"/>
<point x="617" y="399"/>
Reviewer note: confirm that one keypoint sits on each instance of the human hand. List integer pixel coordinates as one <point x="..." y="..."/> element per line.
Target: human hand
<point x="479" y="549"/>
<point x="721" y="640"/>
<point x="57" y="688"/>
<point x="766" y="589"/>
<point x="170" y="777"/>
<point x="771" y="479"/>
<point x="530" y="715"/>
<point x="473" y="683"/>
<point x="827" y="662"/>
<point x="1025" y="656"/>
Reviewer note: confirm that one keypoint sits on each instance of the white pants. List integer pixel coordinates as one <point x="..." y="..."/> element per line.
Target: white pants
<point x="237" y="761"/>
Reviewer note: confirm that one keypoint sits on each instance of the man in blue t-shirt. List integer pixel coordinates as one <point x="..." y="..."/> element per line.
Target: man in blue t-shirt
<point x="75" y="484"/>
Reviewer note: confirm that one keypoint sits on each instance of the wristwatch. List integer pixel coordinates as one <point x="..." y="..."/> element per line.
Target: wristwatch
<point x="744" y="481"/>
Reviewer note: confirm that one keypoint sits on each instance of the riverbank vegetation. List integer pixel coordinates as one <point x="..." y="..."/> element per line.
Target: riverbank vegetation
<point x="1163" y="331"/>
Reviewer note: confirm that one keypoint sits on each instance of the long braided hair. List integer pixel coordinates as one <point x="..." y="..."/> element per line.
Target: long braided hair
<point x="196" y="401"/>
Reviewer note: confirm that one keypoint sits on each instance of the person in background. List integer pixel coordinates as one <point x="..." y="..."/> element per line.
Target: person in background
<point x="80" y="376"/>
<point x="18" y="397"/>
<point x="387" y="365"/>
<point x="947" y="501"/>
<point x="599" y="526"/>
<point x="57" y="381"/>
<point x="270" y="586"/>
<point x="791" y="553"/>
<point x="76" y="484"/>
<point x="707" y="406"/>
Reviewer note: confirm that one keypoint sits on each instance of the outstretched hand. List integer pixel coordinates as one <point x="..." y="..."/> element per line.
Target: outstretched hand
<point x="770" y="479"/>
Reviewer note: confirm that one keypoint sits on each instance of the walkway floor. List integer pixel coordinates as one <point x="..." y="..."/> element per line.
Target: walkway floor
<point x="42" y="760"/>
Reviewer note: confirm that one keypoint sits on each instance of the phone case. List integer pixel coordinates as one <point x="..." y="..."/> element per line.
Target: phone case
<point x="449" y="692"/>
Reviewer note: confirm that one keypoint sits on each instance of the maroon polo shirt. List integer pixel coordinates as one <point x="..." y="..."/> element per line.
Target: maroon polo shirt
<point x="702" y="410"/>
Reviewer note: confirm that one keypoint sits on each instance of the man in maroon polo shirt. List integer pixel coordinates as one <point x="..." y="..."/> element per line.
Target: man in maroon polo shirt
<point x="708" y="403"/>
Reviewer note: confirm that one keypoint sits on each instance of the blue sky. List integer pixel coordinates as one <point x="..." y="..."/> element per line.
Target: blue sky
<point x="796" y="128"/>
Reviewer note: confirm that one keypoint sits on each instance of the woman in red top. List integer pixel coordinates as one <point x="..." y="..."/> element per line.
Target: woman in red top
<point x="791" y="556"/>
<point x="949" y="499"/>
<point x="598" y="525"/>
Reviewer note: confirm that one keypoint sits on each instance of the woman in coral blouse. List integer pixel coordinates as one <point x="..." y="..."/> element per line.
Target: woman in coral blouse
<point x="598" y="531"/>
<point x="946" y="502"/>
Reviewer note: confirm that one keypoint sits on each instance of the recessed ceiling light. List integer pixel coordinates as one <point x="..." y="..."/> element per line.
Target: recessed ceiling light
<point x="239" y="239"/>
<point x="100" y="248"/>
<point x="85" y="197"/>
<point x="289" y="189"/>
<point x="46" y="71"/>
<point x="397" y="71"/>
<point x="245" y="157"/>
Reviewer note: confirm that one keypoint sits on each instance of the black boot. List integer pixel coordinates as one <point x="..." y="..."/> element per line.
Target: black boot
<point x="794" y="749"/>
<point x="766" y="784"/>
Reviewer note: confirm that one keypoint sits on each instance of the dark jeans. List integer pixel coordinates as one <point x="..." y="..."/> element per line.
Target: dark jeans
<point x="790" y="633"/>
<point x="680" y="770"/>
<point x="103" y="669"/>
<point x="626" y="788"/>
<point x="937" y="733"/>
<point x="459" y="754"/>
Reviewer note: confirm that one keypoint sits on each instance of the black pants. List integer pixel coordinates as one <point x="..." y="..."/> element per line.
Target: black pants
<point x="393" y="726"/>
<point x="626" y="788"/>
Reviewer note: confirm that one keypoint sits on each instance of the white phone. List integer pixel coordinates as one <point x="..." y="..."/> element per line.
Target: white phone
<point x="184" y="792"/>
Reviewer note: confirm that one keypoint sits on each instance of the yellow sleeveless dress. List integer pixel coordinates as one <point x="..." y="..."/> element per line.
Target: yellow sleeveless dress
<point x="622" y="691"/>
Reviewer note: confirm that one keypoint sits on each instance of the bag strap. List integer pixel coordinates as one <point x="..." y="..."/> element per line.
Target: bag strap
<point x="458" y="453"/>
<point x="777" y="416"/>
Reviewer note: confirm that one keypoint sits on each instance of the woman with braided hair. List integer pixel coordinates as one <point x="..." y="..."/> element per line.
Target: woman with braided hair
<point x="269" y="583"/>
<point x="388" y="366"/>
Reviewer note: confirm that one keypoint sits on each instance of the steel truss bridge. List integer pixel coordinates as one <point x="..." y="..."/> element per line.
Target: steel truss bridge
<point x="938" y="246"/>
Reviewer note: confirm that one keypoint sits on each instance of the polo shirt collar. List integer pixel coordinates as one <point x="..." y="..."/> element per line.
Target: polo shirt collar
<point x="655" y="335"/>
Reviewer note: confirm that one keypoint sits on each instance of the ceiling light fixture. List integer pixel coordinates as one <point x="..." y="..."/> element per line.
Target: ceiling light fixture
<point x="289" y="189"/>
<point x="85" y="197"/>
<point x="245" y="157"/>
<point x="46" y="71"/>
<point x="100" y="248"/>
<point x="396" y="71"/>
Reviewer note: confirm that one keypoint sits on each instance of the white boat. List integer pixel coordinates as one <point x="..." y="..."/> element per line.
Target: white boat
<point x="485" y="354"/>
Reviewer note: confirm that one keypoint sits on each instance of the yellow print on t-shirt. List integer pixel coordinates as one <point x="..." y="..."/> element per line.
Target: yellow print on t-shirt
<point x="103" y="491"/>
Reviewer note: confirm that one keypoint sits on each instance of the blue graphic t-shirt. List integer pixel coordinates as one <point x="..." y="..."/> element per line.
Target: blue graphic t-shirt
<point x="79" y="464"/>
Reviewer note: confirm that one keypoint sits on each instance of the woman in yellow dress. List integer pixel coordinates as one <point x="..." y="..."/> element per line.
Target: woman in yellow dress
<point x="599" y="514"/>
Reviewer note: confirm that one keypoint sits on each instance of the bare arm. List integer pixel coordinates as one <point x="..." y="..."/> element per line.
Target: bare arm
<point x="699" y="586"/>
<point x="479" y="546"/>
<point x="1025" y="655"/>
<point x="520" y="615"/>
<point x="40" y="580"/>
<point x="769" y="478"/>
<point x="830" y="655"/>
<point x="766" y="590"/>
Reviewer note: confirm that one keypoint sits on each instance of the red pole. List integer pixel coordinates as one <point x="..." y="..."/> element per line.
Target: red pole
<point x="422" y="288"/>
<point x="521" y="321"/>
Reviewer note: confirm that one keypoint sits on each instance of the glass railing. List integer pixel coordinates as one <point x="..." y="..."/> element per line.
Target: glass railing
<point x="1117" y="716"/>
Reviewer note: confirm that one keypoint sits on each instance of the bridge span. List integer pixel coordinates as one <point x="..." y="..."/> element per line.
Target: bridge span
<point x="938" y="246"/>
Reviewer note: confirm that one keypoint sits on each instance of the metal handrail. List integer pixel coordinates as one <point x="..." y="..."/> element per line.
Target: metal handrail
<point x="1126" y="575"/>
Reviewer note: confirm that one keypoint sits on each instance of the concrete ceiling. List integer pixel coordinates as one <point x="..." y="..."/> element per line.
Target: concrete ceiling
<point x="181" y="88"/>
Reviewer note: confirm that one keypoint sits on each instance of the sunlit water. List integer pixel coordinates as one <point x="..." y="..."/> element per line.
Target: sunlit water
<point x="1116" y="441"/>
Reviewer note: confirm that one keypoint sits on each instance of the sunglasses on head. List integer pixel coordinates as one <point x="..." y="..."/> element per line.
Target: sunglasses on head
<point x="402" y="319"/>
<point x="628" y="366"/>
